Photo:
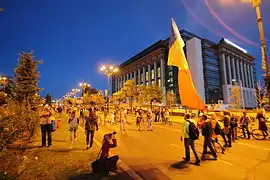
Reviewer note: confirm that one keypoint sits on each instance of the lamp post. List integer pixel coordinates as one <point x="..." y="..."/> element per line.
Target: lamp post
<point x="84" y="86"/>
<point x="265" y="66"/>
<point x="4" y="81"/>
<point x="108" y="71"/>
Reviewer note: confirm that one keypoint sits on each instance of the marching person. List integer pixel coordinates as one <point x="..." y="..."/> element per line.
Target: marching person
<point x="227" y="132"/>
<point x="245" y="120"/>
<point x="188" y="141"/>
<point x="73" y="126"/>
<point x="149" y="119"/>
<point x="207" y="132"/>
<point x="91" y="126"/>
<point x="139" y="119"/>
<point x="262" y="123"/>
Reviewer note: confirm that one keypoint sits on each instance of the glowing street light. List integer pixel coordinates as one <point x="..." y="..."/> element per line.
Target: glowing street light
<point x="108" y="71"/>
<point x="4" y="81"/>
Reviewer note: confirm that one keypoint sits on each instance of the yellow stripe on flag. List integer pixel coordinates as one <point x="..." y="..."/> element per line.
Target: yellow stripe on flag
<point x="188" y="93"/>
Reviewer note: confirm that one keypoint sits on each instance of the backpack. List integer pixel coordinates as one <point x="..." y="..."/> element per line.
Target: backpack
<point x="217" y="129"/>
<point x="193" y="131"/>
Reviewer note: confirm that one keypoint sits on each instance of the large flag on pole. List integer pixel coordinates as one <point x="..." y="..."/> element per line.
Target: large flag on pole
<point x="188" y="93"/>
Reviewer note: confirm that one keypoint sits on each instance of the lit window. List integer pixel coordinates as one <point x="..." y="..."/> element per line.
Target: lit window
<point x="152" y="74"/>
<point x="159" y="82"/>
<point x="147" y="76"/>
<point x="158" y="72"/>
<point x="147" y="83"/>
<point x="153" y="82"/>
<point x="170" y="73"/>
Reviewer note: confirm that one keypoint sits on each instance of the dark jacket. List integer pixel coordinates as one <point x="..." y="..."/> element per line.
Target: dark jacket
<point x="91" y="124"/>
<point x="207" y="130"/>
<point x="106" y="148"/>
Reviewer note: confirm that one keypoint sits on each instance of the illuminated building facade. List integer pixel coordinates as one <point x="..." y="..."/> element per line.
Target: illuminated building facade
<point x="215" y="69"/>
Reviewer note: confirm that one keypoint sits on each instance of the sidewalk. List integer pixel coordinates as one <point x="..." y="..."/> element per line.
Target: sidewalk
<point x="65" y="160"/>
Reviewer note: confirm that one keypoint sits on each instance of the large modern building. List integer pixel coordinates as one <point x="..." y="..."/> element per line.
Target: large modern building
<point x="215" y="69"/>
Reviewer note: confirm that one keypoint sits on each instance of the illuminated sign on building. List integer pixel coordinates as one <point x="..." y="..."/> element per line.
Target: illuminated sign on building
<point x="238" y="47"/>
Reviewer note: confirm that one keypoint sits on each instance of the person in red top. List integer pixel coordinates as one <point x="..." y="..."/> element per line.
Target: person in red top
<point x="109" y="141"/>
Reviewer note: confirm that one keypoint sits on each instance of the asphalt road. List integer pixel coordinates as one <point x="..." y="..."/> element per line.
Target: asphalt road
<point x="158" y="155"/>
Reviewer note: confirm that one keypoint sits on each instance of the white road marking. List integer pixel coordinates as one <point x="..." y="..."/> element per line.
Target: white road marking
<point x="252" y="146"/>
<point x="167" y="128"/>
<point x="125" y="167"/>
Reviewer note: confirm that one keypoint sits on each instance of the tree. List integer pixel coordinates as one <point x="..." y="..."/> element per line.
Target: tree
<point x="48" y="99"/>
<point x="93" y="99"/>
<point x="26" y="79"/>
<point x="130" y="91"/>
<point x="236" y="96"/>
<point x="260" y="93"/>
<point x="150" y="94"/>
<point x="118" y="96"/>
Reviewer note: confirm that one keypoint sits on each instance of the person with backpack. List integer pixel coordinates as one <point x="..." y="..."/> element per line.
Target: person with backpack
<point x="73" y="126"/>
<point x="91" y="126"/>
<point x="207" y="132"/>
<point x="190" y="133"/>
<point x="226" y="131"/>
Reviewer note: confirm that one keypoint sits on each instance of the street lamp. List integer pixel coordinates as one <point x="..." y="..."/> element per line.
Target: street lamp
<point x="84" y="86"/>
<point x="241" y="91"/>
<point x="265" y="66"/>
<point x="108" y="71"/>
<point x="4" y="81"/>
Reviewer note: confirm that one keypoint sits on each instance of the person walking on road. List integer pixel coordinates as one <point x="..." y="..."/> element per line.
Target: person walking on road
<point x="138" y="119"/>
<point x="227" y="132"/>
<point x="91" y="126"/>
<point x="207" y="132"/>
<point x="149" y="119"/>
<point x="122" y="118"/>
<point x="262" y="123"/>
<point x="73" y="126"/>
<point x="234" y="125"/>
<point x="46" y="126"/>
<point x="245" y="120"/>
<point x="188" y="141"/>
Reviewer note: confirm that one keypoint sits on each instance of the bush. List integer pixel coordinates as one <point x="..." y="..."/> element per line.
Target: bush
<point x="17" y="122"/>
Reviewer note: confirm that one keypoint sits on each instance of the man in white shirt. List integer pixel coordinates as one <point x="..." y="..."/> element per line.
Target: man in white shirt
<point x="188" y="142"/>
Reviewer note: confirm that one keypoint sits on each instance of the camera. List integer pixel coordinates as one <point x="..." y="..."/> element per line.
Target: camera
<point x="109" y="135"/>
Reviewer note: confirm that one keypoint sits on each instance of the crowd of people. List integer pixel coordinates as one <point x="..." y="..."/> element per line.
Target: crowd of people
<point x="211" y="128"/>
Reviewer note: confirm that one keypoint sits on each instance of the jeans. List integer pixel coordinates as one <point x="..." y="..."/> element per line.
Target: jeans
<point x="73" y="134"/>
<point x="234" y="133"/>
<point x="208" y="143"/>
<point x="190" y="143"/>
<point x="245" y="127"/>
<point x="46" y="129"/>
<point x="90" y="137"/>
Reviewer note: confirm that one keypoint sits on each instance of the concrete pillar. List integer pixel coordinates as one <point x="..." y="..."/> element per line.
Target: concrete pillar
<point x="135" y="77"/>
<point x="143" y="76"/>
<point x="139" y="76"/>
<point x="242" y="74"/>
<point x="229" y="70"/>
<point x="162" y="73"/>
<point x="238" y="70"/>
<point x="149" y="74"/>
<point x="234" y="69"/>
<point x="130" y="75"/>
<point x="155" y="72"/>
<point x="224" y="72"/>
<point x="251" y="76"/>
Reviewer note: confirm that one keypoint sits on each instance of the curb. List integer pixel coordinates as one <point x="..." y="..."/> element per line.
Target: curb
<point x="122" y="165"/>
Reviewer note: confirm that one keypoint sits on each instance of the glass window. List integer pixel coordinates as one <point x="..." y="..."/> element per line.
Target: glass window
<point x="170" y="73"/>
<point x="146" y="76"/>
<point x="158" y="72"/>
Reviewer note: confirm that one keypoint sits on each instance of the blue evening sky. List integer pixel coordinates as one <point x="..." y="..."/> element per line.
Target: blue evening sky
<point x="74" y="37"/>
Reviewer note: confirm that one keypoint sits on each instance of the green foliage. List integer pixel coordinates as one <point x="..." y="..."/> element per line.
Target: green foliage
<point x="130" y="91"/>
<point x="26" y="80"/>
<point x="93" y="99"/>
<point x="18" y="121"/>
<point x="118" y="96"/>
<point x="236" y="96"/>
<point x="149" y="94"/>
<point x="48" y="99"/>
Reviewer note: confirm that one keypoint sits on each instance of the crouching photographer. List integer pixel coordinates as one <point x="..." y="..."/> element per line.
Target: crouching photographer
<point x="104" y="164"/>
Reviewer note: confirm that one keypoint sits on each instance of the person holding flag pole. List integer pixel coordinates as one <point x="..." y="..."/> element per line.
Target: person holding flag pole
<point x="188" y="93"/>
